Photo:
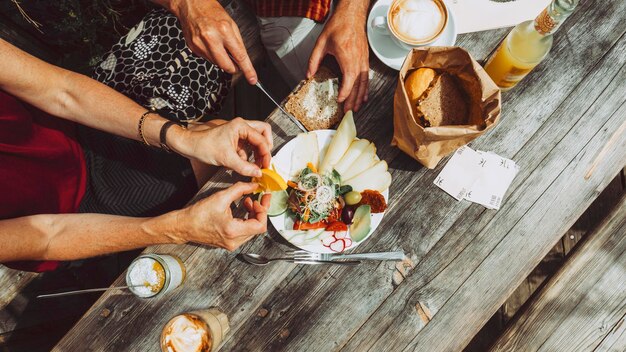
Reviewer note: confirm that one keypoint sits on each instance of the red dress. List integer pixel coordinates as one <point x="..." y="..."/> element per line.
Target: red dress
<point x="42" y="167"/>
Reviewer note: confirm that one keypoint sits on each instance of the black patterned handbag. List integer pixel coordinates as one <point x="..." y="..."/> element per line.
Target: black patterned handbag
<point x="153" y="66"/>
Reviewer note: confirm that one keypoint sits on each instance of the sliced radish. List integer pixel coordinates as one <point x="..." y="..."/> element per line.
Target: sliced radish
<point x="347" y="241"/>
<point x="328" y="240"/>
<point x="341" y="234"/>
<point x="338" y="246"/>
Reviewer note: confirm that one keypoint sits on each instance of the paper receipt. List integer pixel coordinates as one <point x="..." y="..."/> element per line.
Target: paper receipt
<point x="480" y="177"/>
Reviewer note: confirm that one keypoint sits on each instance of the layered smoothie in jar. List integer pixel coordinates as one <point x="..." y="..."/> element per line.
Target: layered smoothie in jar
<point x="152" y="275"/>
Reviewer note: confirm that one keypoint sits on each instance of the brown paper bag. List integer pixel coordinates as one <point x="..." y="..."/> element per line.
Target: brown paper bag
<point x="429" y="145"/>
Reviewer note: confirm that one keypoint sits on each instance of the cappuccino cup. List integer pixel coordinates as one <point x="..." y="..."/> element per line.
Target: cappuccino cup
<point x="413" y="23"/>
<point x="198" y="331"/>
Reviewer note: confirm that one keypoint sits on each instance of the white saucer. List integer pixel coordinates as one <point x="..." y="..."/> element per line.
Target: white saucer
<point x="387" y="50"/>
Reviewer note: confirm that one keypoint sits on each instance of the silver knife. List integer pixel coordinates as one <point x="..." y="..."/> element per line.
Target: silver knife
<point x="291" y="117"/>
<point x="260" y="86"/>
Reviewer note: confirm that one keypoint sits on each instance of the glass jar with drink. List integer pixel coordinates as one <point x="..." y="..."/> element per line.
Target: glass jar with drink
<point x="197" y="331"/>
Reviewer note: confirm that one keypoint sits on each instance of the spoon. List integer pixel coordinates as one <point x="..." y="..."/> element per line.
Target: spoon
<point x="257" y="259"/>
<point x="78" y="292"/>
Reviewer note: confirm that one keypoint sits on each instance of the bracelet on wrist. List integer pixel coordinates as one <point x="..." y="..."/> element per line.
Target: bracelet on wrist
<point x="163" y="135"/>
<point x="142" y="119"/>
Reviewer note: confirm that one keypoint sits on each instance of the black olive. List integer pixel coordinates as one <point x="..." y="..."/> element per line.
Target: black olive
<point x="347" y="214"/>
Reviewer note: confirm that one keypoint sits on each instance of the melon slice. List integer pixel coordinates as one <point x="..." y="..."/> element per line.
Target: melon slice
<point x="366" y="160"/>
<point x="346" y="133"/>
<point x="375" y="178"/>
<point x="354" y="151"/>
<point x="306" y="150"/>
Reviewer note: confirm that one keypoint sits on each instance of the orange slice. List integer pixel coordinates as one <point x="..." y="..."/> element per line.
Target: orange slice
<point x="271" y="181"/>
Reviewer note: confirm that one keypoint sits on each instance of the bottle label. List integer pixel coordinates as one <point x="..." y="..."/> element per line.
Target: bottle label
<point x="513" y="77"/>
<point x="544" y="23"/>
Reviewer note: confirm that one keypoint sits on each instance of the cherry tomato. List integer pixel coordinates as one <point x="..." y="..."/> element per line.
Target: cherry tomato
<point x="299" y="225"/>
<point x="337" y="226"/>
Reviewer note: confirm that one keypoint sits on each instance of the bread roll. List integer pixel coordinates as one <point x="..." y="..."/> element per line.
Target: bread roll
<point x="417" y="83"/>
<point x="437" y="99"/>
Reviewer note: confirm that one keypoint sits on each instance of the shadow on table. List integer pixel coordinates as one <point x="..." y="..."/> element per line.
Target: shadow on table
<point x="405" y="163"/>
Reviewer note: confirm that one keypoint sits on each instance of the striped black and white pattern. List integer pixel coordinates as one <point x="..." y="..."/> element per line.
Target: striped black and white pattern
<point x="127" y="178"/>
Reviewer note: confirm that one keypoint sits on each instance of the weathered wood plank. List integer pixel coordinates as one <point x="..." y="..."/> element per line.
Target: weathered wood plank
<point x="615" y="341"/>
<point x="450" y="240"/>
<point x="597" y="212"/>
<point x="595" y="215"/>
<point x="12" y="283"/>
<point x="582" y="306"/>
<point x="466" y="303"/>
<point x="458" y="238"/>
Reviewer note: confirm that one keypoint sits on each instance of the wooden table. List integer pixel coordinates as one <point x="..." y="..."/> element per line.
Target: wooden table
<point x="465" y="260"/>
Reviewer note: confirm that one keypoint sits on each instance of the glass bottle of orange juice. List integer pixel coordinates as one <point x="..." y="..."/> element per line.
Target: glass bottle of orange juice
<point x="527" y="45"/>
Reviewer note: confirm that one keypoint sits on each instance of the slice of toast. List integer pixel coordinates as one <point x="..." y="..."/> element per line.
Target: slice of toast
<point x="445" y="104"/>
<point x="315" y="102"/>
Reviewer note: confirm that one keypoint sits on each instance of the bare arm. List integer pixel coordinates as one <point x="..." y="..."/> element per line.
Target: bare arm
<point x="76" y="236"/>
<point x="344" y="37"/>
<point x="72" y="96"/>
<point x="78" y="98"/>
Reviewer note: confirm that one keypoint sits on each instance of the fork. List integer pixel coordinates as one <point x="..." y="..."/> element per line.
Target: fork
<point x="304" y="256"/>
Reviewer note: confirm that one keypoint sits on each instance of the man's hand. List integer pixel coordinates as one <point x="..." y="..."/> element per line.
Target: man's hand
<point x="211" y="33"/>
<point x="228" y="145"/>
<point x="344" y="37"/>
<point x="210" y="221"/>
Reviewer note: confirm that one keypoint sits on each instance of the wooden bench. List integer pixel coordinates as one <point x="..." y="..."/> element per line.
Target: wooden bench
<point x="583" y="306"/>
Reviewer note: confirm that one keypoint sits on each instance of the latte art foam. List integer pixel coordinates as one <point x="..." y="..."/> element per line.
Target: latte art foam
<point x="417" y="20"/>
<point x="187" y="333"/>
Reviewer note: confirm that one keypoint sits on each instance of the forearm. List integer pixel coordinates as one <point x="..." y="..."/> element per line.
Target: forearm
<point x="172" y="6"/>
<point x="352" y="9"/>
<point x="77" y="236"/>
<point x="78" y="98"/>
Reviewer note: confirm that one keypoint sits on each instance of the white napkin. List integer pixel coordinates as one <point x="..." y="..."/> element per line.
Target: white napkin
<point x="480" y="177"/>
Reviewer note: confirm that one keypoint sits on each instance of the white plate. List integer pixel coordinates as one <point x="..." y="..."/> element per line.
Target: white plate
<point x="282" y="163"/>
<point x="387" y="50"/>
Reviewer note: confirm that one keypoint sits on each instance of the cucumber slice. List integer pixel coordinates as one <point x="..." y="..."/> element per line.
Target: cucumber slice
<point x="290" y="234"/>
<point x="312" y="235"/>
<point x="278" y="203"/>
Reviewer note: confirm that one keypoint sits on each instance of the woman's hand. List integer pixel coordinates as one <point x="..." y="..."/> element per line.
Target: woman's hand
<point x="77" y="236"/>
<point x="228" y="144"/>
<point x="211" y="222"/>
<point x="210" y="32"/>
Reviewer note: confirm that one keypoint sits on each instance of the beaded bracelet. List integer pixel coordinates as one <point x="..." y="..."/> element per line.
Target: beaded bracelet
<point x="143" y="117"/>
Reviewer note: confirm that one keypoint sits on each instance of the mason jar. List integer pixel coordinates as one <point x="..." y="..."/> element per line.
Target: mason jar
<point x="154" y="275"/>
<point x="199" y="330"/>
